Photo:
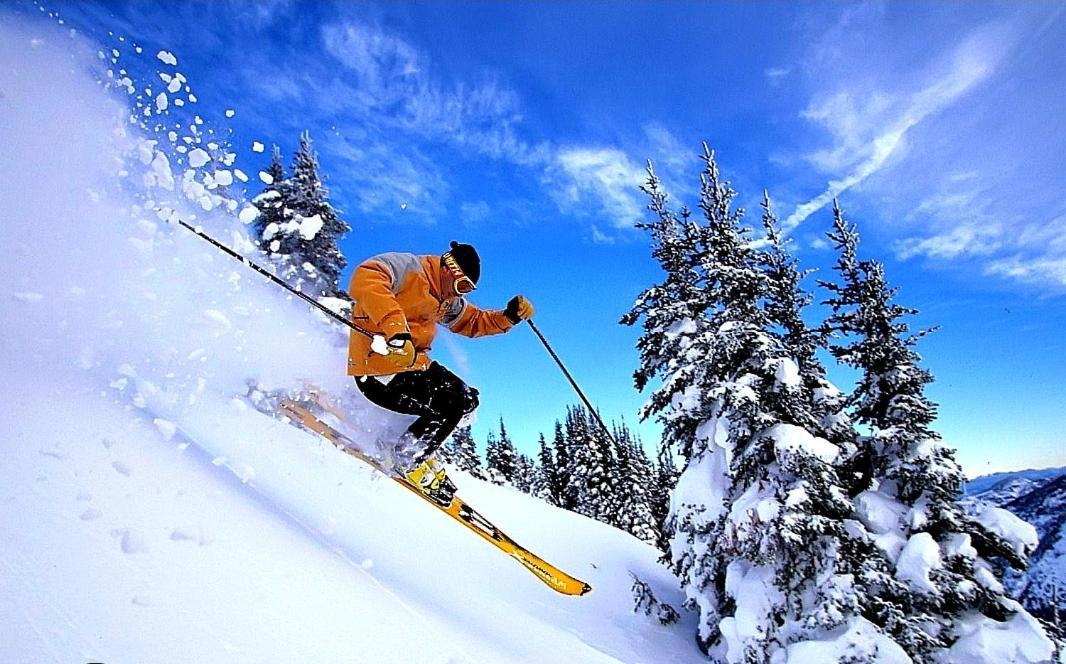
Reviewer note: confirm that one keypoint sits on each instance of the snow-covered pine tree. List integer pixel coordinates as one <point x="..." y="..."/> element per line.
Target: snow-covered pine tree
<point x="461" y="452"/>
<point x="304" y="236"/>
<point x="785" y="297"/>
<point x="632" y="482"/>
<point x="669" y="309"/>
<point x="275" y="208"/>
<point x="591" y="466"/>
<point x="663" y="482"/>
<point x="545" y="480"/>
<point x="952" y="604"/>
<point x="759" y="535"/>
<point x="525" y="473"/>
<point x="784" y="301"/>
<point x="500" y="457"/>
<point x="566" y="490"/>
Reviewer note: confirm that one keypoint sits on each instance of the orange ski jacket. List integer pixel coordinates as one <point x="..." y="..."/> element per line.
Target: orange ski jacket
<point x="398" y="292"/>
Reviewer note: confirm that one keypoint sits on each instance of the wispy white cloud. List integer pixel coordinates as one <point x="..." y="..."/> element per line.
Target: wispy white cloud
<point x="390" y="106"/>
<point x="604" y="176"/>
<point x="1040" y="271"/>
<point x="393" y="80"/>
<point x="599" y="237"/>
<point x="393" y="180"/>
<point x="961" y="134"/>
<point x="869" y="126"/>
<point x="1039" y="254"/>
<point x="968" y="240"/>
<point x="389" y="98"/>
<point x="966" y="219"/>
<point x="473" y="213"/>
<point x="959" y="220"/>
<point x="774" y="75"/>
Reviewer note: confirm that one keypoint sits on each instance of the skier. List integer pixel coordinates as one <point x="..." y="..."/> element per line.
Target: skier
<point x="403" y="297"/>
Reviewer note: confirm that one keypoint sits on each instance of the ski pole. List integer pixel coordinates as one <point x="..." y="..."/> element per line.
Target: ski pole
<point x="303" y="296"/>
<point x="551" y="351"/>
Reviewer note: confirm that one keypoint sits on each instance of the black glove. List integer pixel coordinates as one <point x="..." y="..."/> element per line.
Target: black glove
<point x="518" y="309"/>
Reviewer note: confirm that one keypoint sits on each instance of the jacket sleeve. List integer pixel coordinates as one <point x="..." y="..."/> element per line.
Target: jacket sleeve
<point x="371" y="288"/>
<point x="474" y="322"/>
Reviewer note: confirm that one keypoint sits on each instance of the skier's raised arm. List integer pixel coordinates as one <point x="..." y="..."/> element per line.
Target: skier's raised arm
<point x="472" y="321"/>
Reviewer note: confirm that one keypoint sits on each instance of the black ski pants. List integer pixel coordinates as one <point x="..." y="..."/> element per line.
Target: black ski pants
<point x="438" y="397"/>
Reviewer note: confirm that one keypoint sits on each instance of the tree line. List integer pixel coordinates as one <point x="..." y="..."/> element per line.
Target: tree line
<point x="582" y="469"/>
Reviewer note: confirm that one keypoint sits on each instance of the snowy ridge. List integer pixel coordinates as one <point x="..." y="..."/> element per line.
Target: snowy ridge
<point x="151" y="513"/>
<point x="1038" y="497"/>
<point x="1022" y="478"/>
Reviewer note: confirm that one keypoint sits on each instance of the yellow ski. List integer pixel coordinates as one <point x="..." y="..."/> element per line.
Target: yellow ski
<point x="555" y="578"/>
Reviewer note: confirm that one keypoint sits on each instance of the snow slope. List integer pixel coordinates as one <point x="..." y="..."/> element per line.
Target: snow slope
<point x="124" y="545"/>
<point x="149" y="513"/>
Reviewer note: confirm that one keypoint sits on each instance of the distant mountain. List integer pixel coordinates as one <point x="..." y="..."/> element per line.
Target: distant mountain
<point x="1039" y="497"/>
<point x="986" y="482"/>
<point x="1045" y="583"/>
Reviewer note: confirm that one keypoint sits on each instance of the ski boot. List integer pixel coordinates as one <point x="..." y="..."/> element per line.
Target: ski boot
<point x="432" y="481"/>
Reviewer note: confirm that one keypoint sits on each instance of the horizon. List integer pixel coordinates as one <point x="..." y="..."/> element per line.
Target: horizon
<point x="524" y="129"/>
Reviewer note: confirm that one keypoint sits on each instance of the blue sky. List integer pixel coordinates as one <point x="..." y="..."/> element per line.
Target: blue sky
<point x="524" y="128"/>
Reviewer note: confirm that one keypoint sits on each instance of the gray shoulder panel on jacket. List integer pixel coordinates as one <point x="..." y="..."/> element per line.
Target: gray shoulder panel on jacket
<point x="400" y="264"/>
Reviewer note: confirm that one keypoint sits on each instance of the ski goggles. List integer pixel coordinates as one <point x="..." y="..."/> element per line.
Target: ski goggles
<point x="462" y="284"/>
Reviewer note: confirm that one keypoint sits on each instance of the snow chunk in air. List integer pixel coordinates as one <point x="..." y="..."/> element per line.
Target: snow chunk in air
<point x="167" y="58"/>
<point x="248" y="214"/>
<point x="198" y="158"/>
<point x="310" y="226"/>
<point x="267" y="178"/>
<point x="379" y="345"/>
<point x="257" y="146"/>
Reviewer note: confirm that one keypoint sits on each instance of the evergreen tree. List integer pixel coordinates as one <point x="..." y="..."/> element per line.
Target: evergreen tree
<point x="670" y="311"/>
<point x="274" y="205"/>
<point x="591" y="466"/>
<point x="546" y="482"/>
<point x="785" y="301"/>
<point x="565" y="489"/>
<point x="525" y="473"/>
<point x="785" y="297"/>
<point x="461" y="451"/>
<point x="664" y="481"/>
<point x="632" y="488"/>
<point x="910" y="484"/>
<point x="501" y="456"/>
<point x="759" y="540"/>
<point x="302" y="228"/>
